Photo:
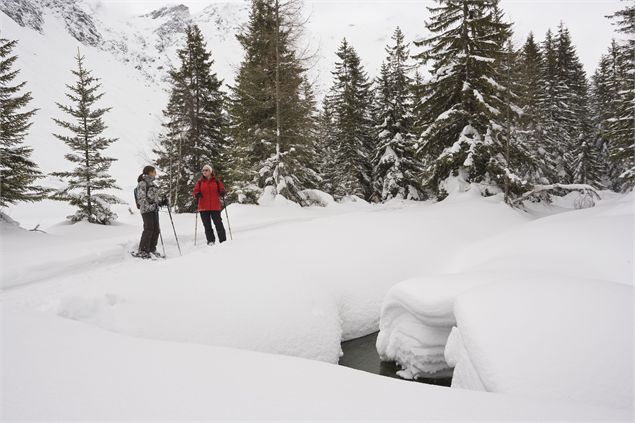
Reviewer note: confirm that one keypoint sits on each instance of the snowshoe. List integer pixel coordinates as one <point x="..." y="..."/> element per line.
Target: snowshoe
<point x="156" y="254"/>
<point x="211" y="243"/>
<point x="140" y="254"/>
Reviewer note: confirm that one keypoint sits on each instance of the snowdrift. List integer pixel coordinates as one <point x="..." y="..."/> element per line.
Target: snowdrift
<point x="559" y="338"/>
<point x="418" y="314"/>
<point x="57" y="369"/>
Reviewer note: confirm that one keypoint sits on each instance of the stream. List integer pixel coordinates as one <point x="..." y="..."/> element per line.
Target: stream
<point x="361" y="354"/>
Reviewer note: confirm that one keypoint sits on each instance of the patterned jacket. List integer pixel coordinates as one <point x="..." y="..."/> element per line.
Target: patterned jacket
<point x="147" y="194"/>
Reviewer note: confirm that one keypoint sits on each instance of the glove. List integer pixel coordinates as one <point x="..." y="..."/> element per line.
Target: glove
<point x="199" y="195"/>
<point x="163" y="202"/>
<point x="222" y="193"/>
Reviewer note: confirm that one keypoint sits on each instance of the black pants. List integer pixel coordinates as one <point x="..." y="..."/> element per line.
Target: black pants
<point x="151" y="230"/>
<point x="207" y="217"/>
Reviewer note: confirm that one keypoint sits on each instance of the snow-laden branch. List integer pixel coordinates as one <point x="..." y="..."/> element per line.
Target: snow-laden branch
<point x="585" y="188"/>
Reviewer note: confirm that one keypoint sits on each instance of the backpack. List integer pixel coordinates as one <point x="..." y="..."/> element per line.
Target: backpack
<point x="136" y="195"/>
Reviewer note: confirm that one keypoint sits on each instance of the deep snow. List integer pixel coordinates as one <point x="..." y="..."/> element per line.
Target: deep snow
<point x="57" y="369"/>
<point x="548" y="333"/>
<point x="294" y="281"/>
<point x="559" y="338"/>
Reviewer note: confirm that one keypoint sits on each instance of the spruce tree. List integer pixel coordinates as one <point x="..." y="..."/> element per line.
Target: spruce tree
<point x="395" y="168"/>
<point x="89" y="179"/>
<point x="531" y="89"/>
<point x="326" y="146"/>
<point x="272" y="108"/>
<point x="462" y="112"/>
<point x="195" y="122"/>
<point x="605" y="90"/>
<point x="351" y="100"/>
<point x="551" y="98"/>
<point x="621" y="123"/>
<point x="17" y="171"/>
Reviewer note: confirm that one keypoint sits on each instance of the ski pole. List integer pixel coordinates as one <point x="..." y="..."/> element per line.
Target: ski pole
<point x="161" y="236"/>
<point x="227" y="216"/>
<point x="195" y="226"/>
<point x="174" y="229"/>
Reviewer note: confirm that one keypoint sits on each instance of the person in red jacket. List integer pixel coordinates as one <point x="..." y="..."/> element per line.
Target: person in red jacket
<point x="208" y="191"/>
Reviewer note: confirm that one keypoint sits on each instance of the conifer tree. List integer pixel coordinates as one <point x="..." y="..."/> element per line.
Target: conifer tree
<point x="462" y="112"/>
<point x="326" y="145"/>
<point x="195" y="122"/>
<point x="395" y="169"/>
<point x="89" y="179"/>
<point x="351" y="100"/>
<point x="17" y="171"/>
<point x="272" y="107"/>
<point x="620" y="124"/>
<point x="531" y="90"/>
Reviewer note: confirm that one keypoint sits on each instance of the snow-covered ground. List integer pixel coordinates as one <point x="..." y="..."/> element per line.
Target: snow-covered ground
<point x="294" y="281"/>
<point x="544" y="308"/>
<point x="57" y="369"/>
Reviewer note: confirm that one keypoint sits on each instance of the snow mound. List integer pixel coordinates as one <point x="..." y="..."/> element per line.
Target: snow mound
<point x="316" y="197"/>
<point x="417" y="315"/>
<point x="558" y="338"/>
<point x="57" y="369"/>
<point x="416" y="319"/>
<point x="595" y="243"/>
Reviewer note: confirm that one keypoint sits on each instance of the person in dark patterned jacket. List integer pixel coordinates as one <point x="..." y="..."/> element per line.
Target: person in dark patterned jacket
<point x="149" y="202"/>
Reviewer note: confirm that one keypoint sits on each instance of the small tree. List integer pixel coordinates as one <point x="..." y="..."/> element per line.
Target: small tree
<point x="17" y="170"/>
<point x="87" y="181"/>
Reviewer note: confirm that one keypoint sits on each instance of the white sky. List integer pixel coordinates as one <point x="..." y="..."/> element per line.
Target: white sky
<point x="591" y="30"/>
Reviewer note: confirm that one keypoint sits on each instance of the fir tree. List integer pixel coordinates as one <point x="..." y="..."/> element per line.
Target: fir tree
<point x="395" y="169"/>
<point x="195" y="122"/>
<point x="350" y="99"/>
<point x="272" y="107"/>
<point x="462" y="112"/>
<point x="87" y="181"/>
<point x="17" y="171"/>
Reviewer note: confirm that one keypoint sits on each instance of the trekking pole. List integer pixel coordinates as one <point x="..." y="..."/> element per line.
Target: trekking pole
<point x="161" y="236"/>
<point x="195" y="226"/>
<point x="174" y="229"/>
<point x="227" y="216"/>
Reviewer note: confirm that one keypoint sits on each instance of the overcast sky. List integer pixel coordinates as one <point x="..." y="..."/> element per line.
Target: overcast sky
<point x="591" y="30"/>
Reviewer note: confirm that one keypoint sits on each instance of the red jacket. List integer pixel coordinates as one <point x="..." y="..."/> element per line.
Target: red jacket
<point x="210" y="189"/>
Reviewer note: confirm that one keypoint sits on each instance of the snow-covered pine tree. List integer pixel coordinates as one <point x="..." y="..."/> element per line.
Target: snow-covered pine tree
<point x="326" y="146"/>
<point x="350" y="99"/>
<point x="89" y="179"/>
<point x="530" y="129"/>
<point x="195" y="122"/>
<point x="552" y="96"/>
<point x="621" y="123"/>
<point x="395" y="169"/>
<point x="573" y="116"/>
<point x="270" y="108"/>
<point x="17" y="171"/>
<point x="605" y="87"/>
<point x="461" y="111"/>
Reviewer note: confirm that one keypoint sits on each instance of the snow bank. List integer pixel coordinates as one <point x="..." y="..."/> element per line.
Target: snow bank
<point x="417" y="315"/>
<point x="416" y="319"/>
<point x="57" y="369"/>
<point x="595" y="243"/>
<point x="569" y="339"/>
<point x="294" y="281"/>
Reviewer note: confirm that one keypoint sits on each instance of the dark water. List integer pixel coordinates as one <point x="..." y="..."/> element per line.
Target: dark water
<point x="361" y="354"/>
